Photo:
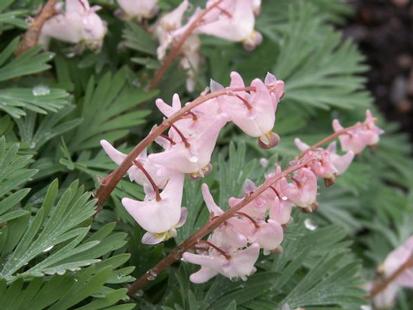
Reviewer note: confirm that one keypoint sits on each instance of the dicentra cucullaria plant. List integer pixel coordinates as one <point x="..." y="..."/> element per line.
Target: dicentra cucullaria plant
<point x="74" y="234"/>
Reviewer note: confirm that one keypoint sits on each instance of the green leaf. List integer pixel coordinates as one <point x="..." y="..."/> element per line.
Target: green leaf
<point x="138" y="39"/>
<point x="32" y="61"/>
<point x="109" y="109"/>
<point x="39" y="99"/>
<point x="36" y="131"/>
<point x="56" y="237"/>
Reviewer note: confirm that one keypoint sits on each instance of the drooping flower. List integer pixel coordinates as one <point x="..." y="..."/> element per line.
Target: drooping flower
<point x="361" y="135"/>
<point x="276" y="88"/>
<point x="194" y="140"/>
<point x="254" y="112"/>
<point x="160" y="175"/>
<point x="77" y="24"/>
<point x="227" y="251"/>
<point x="340" y="162"/>
<point x="233" y="20"/>
<point x="166" y="32"/>
<point x="239" y="265"/>
<point x="396" y="259"/>
<point x="159" y="218"/>
<point x="166" y="25"/>
<point x="302" y="191"/>
<point x="139" y="9"/>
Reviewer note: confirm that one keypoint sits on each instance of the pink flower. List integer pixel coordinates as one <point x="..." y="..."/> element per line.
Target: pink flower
<point x="360" y="136"/>
<point x="78" y="24"/>
<point x="194" y="140"/>
<point x="319" y="160"/>
<point x="276" y="88"/>
<point x="168" y="30"/>
<point x="166" y="25"/>
<point x="159" y="218"/>
<point x="253" y="113"/>
<point x="159" y="174"/>
<point x="139" y="9"/>
<point x="328" y="163"/>
<point x="340" y="162"/>
<point x="303" y="190"/>
<point x="397" y="258"/>
<point x="232" y="234"/>
<point x="239" y="265"/>
<point x="233" y="20"/>
<point x="386" y="299"/>
<point x="267" y="233"/>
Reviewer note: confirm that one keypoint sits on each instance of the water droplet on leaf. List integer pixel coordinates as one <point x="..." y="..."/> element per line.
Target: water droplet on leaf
<point x="40" y="90"/>
<point x="48" y="249"/>
<point x="310" y="225"/>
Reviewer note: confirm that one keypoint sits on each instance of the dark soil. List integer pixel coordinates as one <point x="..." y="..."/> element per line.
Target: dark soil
<point x="384" y="31"/>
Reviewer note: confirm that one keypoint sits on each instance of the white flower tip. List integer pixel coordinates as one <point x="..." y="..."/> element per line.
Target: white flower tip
<point x="301" y="145"/>
<point x="215" y="86"/>
<point x="269" y="140"/>
<point x="249" y="186"/>
<point x="336" y="125"/>
<point x="152" y="239"/>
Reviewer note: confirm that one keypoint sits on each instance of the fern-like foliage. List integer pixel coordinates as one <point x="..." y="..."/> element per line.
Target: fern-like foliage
<point x="14" y="173"/>
<point x="108" y="110"/>
<point x="57" y="230"/>
<point x="40" y="98"/>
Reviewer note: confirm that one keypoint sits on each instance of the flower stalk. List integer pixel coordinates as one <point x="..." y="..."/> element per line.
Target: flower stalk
<point x="177" y="47"/>
<point x="109" y="183"/>
<point x="216" y="221"/>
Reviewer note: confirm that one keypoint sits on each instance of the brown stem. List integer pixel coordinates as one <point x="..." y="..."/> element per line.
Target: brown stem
<point x="148" y="176"/>
<point x="218" y="249"/>
<point x="109" y="183"/>
<point x="31" y="37"/>
<point x="183" y="138"/>
<point x="245" y="102"/>
<point x="381" y="285"/>
<point x="189" y="243"/>
<point x="215" y="222"/>
<point x="177" y="48"/>
<point x="248" y="217"/>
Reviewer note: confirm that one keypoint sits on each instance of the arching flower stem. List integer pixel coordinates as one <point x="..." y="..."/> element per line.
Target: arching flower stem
<point x="380" y="285"/>
<point x="177" y="47"/>
<point x="149" y="178"/>
<point x="216" y="221"/>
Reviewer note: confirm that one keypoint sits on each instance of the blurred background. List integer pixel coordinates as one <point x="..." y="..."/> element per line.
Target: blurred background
<point x="383" y="30"/>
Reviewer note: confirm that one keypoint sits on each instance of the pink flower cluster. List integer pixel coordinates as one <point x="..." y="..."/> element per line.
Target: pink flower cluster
<point x="233" y="248"/>
<point x="232" y="20"/>
<point x="188" y="147"/>
<point x="395" y="260"/>
<point x="76" y="23"/>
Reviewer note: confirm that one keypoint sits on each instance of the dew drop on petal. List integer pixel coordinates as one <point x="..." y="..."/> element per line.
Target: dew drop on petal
<point x="310" y="225"/>
<point x="40" y="90"/>
<point x="193" y="159"/>
<point x="48" y="249"/>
